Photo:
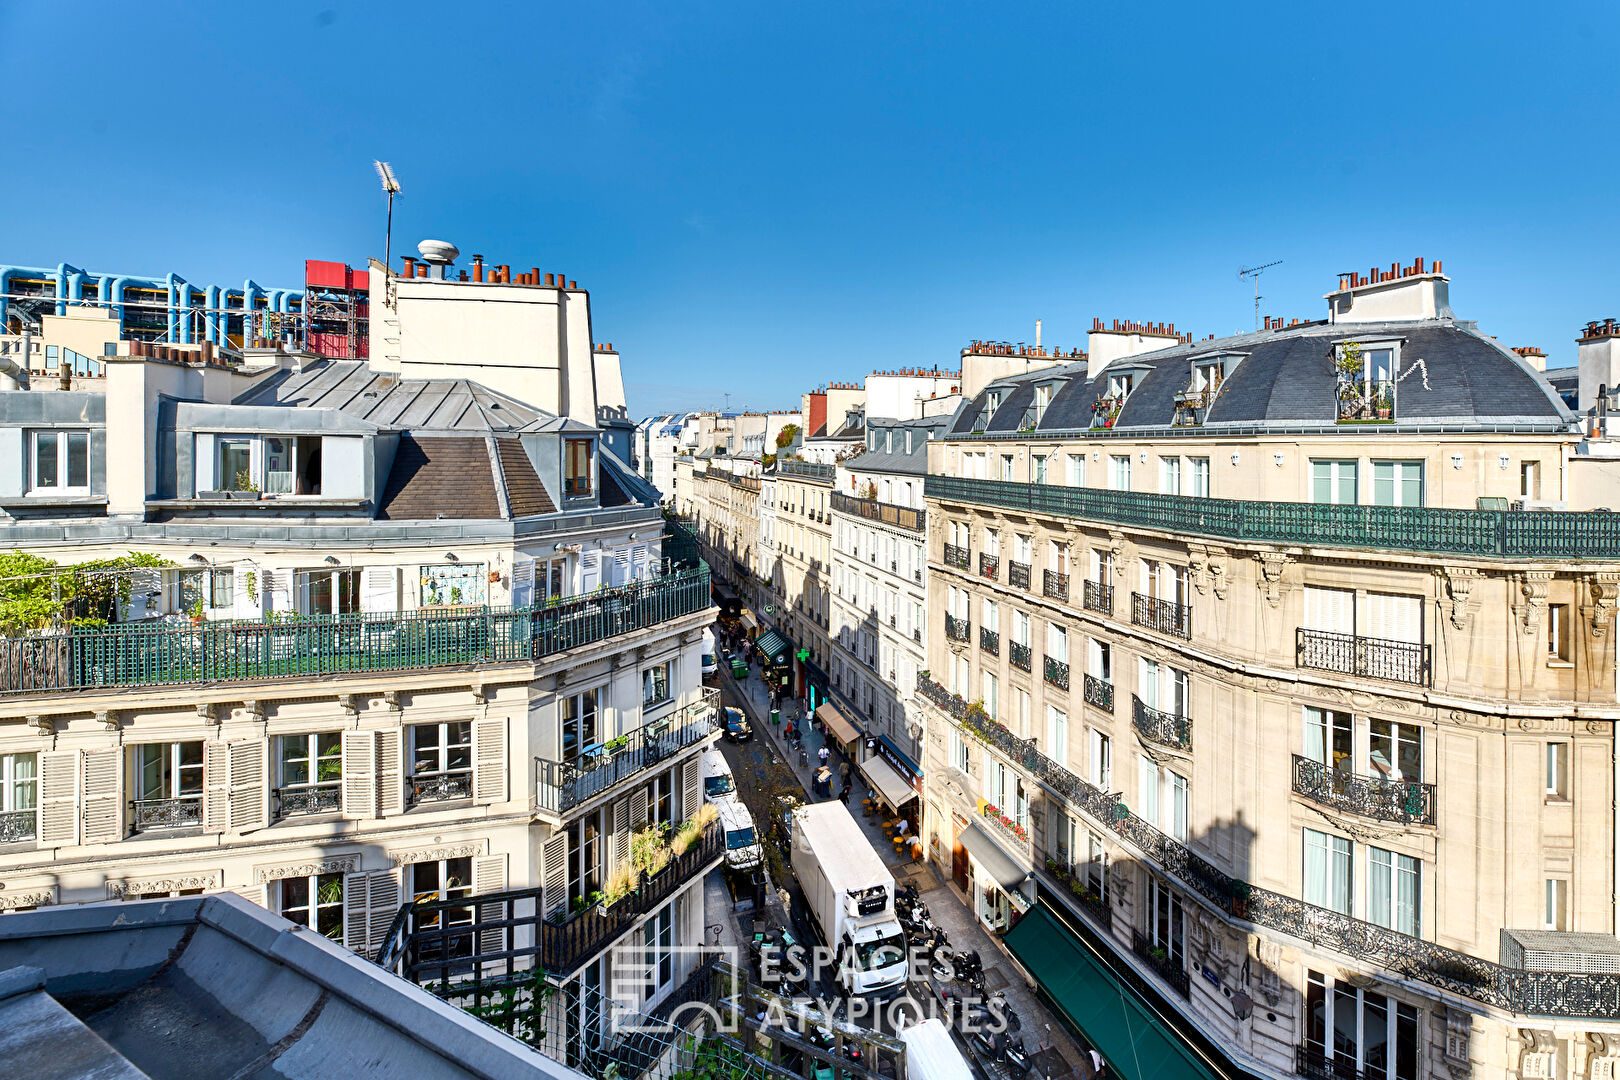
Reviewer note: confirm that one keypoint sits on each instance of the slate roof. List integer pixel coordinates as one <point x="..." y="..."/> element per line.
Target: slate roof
<point x="897" y="460"/>
<point x="419" y="404"/>
<point x="447" y="477"/>
<point x="525" y="494"/>
<point x="1449" y="374"/>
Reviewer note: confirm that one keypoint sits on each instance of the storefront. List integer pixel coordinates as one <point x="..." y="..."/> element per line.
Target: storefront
<point x="841" y="734"/>
<point x="892" y="789"/>
<point x="996" y="882"/>
<point x="812" y="681"/>
<point x="775" y="661"/>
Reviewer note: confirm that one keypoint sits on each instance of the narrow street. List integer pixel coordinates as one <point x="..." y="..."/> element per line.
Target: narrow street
<point x="766" y="766"/>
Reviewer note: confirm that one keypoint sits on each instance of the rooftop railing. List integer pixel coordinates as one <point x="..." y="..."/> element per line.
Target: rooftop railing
<point x="167" y="654"/>
<point x="902" y="517"/>
<point x="806" y="469"/>
<point x="1585" y="534"/>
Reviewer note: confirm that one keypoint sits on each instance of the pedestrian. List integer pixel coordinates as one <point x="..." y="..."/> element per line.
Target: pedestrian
<point x="823" y="753"/>
<point x="843" y="772"/>
<point x="843" y="793"/>
<point x="1099" y="1069"/>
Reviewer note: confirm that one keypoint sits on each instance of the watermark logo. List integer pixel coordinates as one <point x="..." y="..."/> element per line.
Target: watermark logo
<point x="638" y="974"/>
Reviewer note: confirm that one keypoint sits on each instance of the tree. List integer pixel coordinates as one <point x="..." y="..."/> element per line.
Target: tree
<point x="36" y="592"/>
<point x="785" y="437"/>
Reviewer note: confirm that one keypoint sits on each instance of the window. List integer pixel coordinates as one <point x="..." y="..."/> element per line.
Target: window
<point x="1170" y="476"/>
<point x="1102" y="661"/>
<point x="329" y="592"/>
<point x="1557" y="633"/>
<point x="1021" y="549"/>
<point x="310" y="768"/>
<point x="1147" y="790"/>
<point x="1555" y="910"/>
<point x="1096" y="863"/>
<point x="1057" y="643"/>
<point x="992" y="543"/>
<point x="1198" y="477"/>
<point x="1397" y="483"/>
<point x="1530" y="479"/>
<point x="235" y="472"/>
<point x="168" y="770"/>
<point x="1394" y="750"/>
<point x="1020" y="628"/>
<point x="1166" y="922"/>
<point x="1393" y="897"/>
<point x="1076" y="476"/>
<point x="1327" y="871"/>
<point x="1357" y="1032"/>
<point x="1006" y="466"/>
<point x="1176" y="791"/>
<point x="992" y="694"/>
<point x="61" y="461"/>
<point x="1333" y="482"/>
<point x="1102" y="567"/>
<point x="959" y="752"/>
<point x="315" y="901"/>
<point x="215" y="589"/>
<point x="1043" y="398"/>
<point x="439" y="749"/>
<point x="1102" y="761"/>
<point x="660" y="936"/>
<point x="655" y="684"/>
<point x="1021" y="710"/>
<point x="1057" y="735"/>
<point x="1119" y="472"/>
<point x="577" y="467"/>
<point x="442" y="879"/>
<point x="19" y="783"/>
<point x="453" y="584"/>
<point x="1557" y="780"/>
<point x="1328" y="738"/>
<point x="1057" y="557"/>
<point x="1038" y="467"/>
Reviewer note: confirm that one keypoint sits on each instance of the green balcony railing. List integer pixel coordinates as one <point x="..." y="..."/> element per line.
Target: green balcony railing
<point x="1585" y="534"/>
<point x="159" y="654"/>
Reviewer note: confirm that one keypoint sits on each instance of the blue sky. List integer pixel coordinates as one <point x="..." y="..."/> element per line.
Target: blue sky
<point x="762" y="198"/>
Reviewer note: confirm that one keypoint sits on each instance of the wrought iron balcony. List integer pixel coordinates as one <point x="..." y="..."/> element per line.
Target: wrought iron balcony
<point x="1408" y="801"/>
<point x="1166" y="729"/>
<point x="158" y="654"/>
<point x="1098" y="693"/>
<point x="1165" y="616"/>
<point x="903" y="517"/>
<point x="1191" y="406"/>
<point x="1314" y="1065"/>
<point x="1159" y="960"/>
<point x="1096" y="596"/>
<point x="989" y="640"/>
<point x="1018" y="655"/>
<point x="324" y="798"/>
<point x="1018" y="574"/>
<point x="18" y="825"/>
<point x="562" y="785"/>
<point x="956" y="556"/>
<point x="957" y="629"/>
<point x="916" y="634"/>
<point x="1054" y="586"/>
<point x="179" y="813"/>
<point x="1056" y="672"/>
<point x="438" y="787"/>
<point x="989" y="566"/>
<point x="1371" y="658"/>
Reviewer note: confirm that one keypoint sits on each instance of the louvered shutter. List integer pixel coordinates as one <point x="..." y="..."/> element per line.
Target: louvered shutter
<point x="522" y="581"/>
<point x="259" y="894"/>
<point x="690" y="787"/>
<point x="554" y="872"/>
<point x="278" y="590"/>
<point x="622" y="564"/>
<point x="1393" y="618"/>
<point x="145" y="595"/>
<point x="489" y="760"/>
<point x="1330" y="609"/>
<point x="249" y="602"/>
<point x="216" y="786"/>
<point x="379" y="588"/>
<point x="360" y="774"/>
<point x="250" y="785"/>
<point x="356" y="914"/>
<point x="638" y="809"/>
<point x="590" y="570"/>
<point x="621" y="832"/>
<point x="489" y="876"/>
<point x="103" y="795"/>
<point x="59" y="798"/>
<point x="382" y="903"/>
<point x="390" y="772"/>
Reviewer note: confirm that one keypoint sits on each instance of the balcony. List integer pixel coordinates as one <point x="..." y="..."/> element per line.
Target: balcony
<point x="438" y="787"/>
<point x="1369" y="658"/>
<point x="1161" y="963"/>
<point x="1166" y="729"/>
<point x="1105" y="410"/>
<point x="807" y="469"/>
<point x="956" y="556"/>
<point x="324" y="798"/>
<point x="562" y="785"/>
<point x="1098" y="693"/>
<point x="916" y="634"/>
<point x="1407" y="802"/>
<point x="1364" y="401"/>
<point x="16" y="825"/>
<point x="166" y="654"/>
<point x="1055" y="586"/>
<point x="1019" y="655"/>
<point x="1165" y="616"/>
<point x="510" y="932"/>
<point x="989" y="566"/>
<point x="1018" y="574"/>
<point x="1055" y="672"/>
<point x="957" y="629"/>
<point x="1532" y="992"/>
<point x="990" y="640"/>
<point x="1098" y="597"/>
<point x="1192" y="406"/>
<point x="901" y="517"/>
<point x="179" y="813"/>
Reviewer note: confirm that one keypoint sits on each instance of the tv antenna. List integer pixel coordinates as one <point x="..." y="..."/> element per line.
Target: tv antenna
<point x="1255" y="272"/>
<point x="390" y="184"/>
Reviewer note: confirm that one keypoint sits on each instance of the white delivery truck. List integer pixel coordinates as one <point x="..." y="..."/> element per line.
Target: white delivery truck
<point x="931" y="1053"/>
<point x="851" y="898"/>
<point x="743" y="849"/>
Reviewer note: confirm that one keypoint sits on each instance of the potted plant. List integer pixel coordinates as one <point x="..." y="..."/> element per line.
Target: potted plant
<point x="614" y="745"/>
<point x="1382" y="405"/>
<point x="245" y="487"/>
<point x="691" y="830"/>
<point x="620" y="884"/>
<point x="196" y="610"/>
<point x="649" y="849"/>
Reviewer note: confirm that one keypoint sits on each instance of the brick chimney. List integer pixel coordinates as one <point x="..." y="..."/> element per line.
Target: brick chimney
<point x="1398" y="294"/>
<point x="1598" y="351"/>
<point x="1126" y="337"/>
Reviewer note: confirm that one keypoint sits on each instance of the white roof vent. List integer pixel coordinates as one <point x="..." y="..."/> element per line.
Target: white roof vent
<point x="438" y="251"/>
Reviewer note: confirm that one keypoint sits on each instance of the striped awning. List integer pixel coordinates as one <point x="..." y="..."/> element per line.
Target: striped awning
<point x="773" y="647"/>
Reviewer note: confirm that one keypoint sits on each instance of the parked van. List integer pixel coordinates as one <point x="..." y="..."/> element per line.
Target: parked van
<point x="711" y="653"/>
<point x="717" y="780"/>
<point x="743" y="849"/>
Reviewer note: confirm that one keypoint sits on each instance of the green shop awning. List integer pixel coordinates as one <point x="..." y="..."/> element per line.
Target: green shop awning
<point x="1124" y="1027"/>
<point x="772" y="646"/>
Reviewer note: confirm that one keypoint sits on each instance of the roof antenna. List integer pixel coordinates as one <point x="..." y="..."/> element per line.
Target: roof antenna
<point x="1255" y="272"/>
<point x="390" y="186"/>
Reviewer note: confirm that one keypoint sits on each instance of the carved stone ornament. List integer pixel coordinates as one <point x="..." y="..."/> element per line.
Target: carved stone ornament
<point x="1598" y="727"/>
<point x="434" y="854"/>
<point x="203" y="879"/>
<point x="332" y="864"/>
<point x="1219" y="580"/>
<point x="1198" y="567"/>
<point x="252" y="709"/>
<point x="1116" y="547"/>
<point x="1272" y="565"/>
<point x="1460" y="582"/>
<point x="207" y="713"/>
<point x="346" y="702"/>
<point x="1605" y="586"/>
<point x="1459" y="1029"/>
<point x="1529" y="723"/>
<point x="390" y="700"/>
<point x="107" y="718"/>
<point x="1532" y="602"/>
<point x="40" y="896"/>
<point x="43" y="725"/>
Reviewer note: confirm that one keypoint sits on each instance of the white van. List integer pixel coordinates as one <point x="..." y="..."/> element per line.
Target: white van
<point x="718" y="783"/>
<point x="743" y="849"/>
<point x="711" y="653"/>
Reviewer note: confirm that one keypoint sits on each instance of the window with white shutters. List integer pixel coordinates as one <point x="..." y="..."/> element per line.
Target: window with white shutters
<point x="379" y="589"/>
<point x="59" y="777"/>
<point x="489" y="876"/>
<point x="1333" y="610"/>
<point x="370" y="901"/>
<point x="489" y="760"/>
<point x="250" y="785"/>
<point x="1392" y="618"/>
<point x="360" y="774"/>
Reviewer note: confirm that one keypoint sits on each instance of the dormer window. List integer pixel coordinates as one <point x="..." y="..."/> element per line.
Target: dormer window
<point x="577" y="474"/>
<point x="61" y="462"/>
<point x="1365" y="381"/>
<point x="1043" y="398"/>
<point x="1105" y="410"/>
<point x="1208" y="376"/>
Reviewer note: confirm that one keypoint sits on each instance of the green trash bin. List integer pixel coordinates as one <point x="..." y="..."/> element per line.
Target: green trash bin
<point x="776" y="717"/>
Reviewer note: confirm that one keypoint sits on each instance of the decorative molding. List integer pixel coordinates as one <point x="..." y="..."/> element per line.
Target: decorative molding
<point x="1272" y="565"/>
<point x="1219" y="580"/>
<point x="203" y="879"/>
<point x="332" y="864"/>
<point x="351" y="708"/>
<point x="43" y="726"/>
<point x="1532" y="602"/>
<point x="1605" y="589"/>
<point x="1198" y="567"/>
<point x="38" y="896"/>
<point x="434" y="854"/>
<point x="207" y="713"/>
<point x="252" y="709"/>
<point x="1460" y="583"/>
<point x="389" y="699"/>
<point x="107" y="718"/>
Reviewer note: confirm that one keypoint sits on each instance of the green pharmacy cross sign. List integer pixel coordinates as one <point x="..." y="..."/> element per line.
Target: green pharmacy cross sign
<point x="803" y="654"/>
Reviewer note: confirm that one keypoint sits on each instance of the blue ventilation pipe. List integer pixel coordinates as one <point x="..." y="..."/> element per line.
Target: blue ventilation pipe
<point x="250" y="293"/>
<point x="211" y="317"/>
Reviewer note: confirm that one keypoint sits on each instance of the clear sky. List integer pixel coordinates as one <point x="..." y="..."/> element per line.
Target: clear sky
<point x="765" y="197"/>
